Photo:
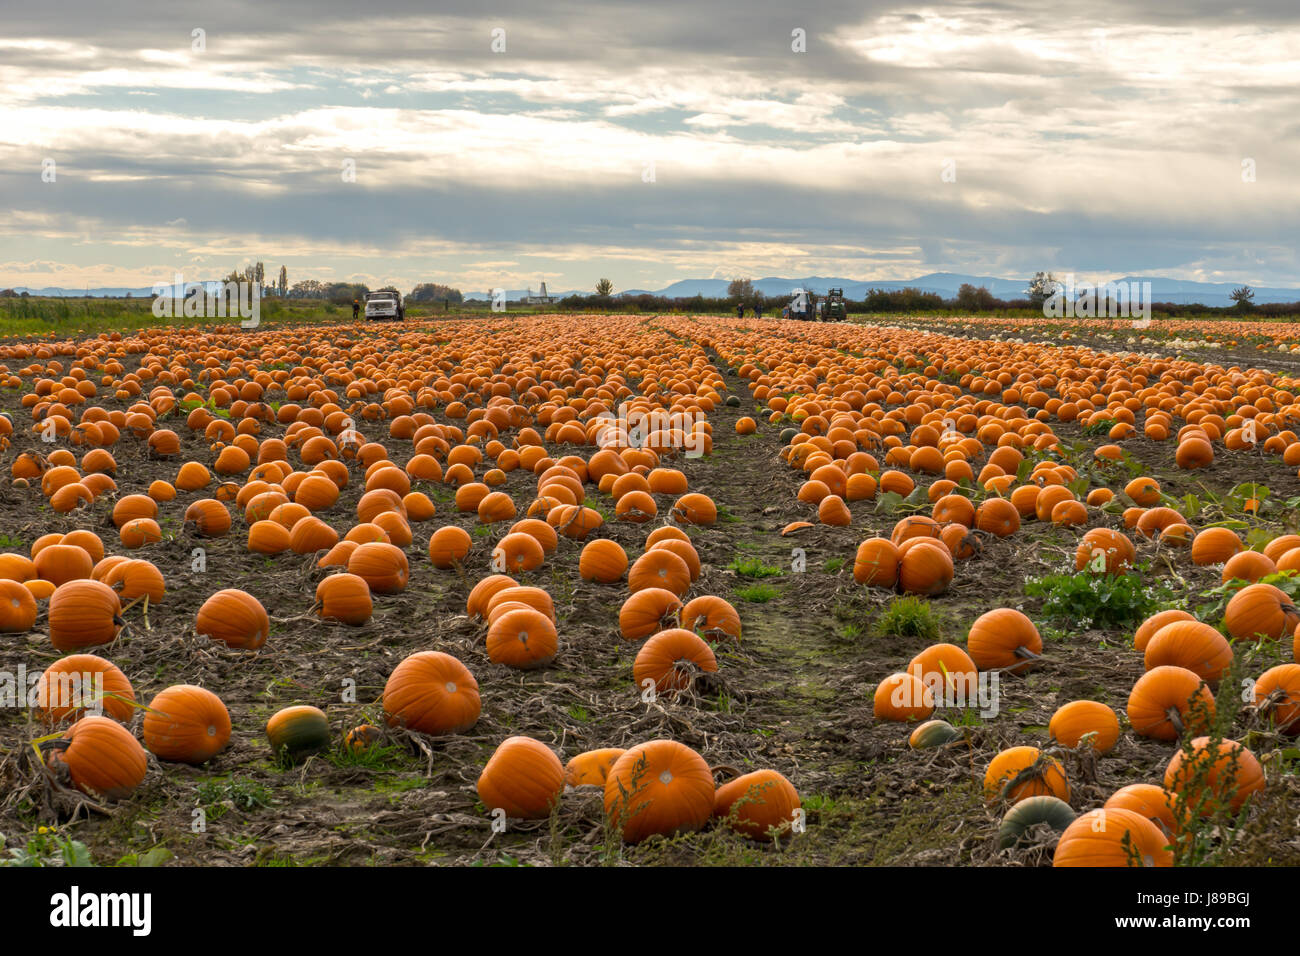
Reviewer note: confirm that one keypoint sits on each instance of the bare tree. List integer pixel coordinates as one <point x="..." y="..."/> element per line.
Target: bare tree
<point x="1244" y="296"/>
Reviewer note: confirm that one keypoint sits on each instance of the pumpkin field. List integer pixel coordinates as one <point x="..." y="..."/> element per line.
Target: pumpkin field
<point x="655" y="590"/>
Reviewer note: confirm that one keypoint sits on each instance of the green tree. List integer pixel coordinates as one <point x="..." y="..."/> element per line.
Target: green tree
<point x="435" y="292"/>
<point x="973" y="298"/>
<point x="1042" y="287"/>
<point x="741" y="291"/>
<point x="307" y="289"/>
<point x="604" y="288"/>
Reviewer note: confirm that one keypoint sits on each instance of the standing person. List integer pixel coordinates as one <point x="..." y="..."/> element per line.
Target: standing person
<point x="356" y="309"/>
<point x="740" y="311"/>
<point x="758" y="310"/>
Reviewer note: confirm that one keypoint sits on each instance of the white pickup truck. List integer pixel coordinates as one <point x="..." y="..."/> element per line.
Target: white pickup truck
<point x="385" y="305"/>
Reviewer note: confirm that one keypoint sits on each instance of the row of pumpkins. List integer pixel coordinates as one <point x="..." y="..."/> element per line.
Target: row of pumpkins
<point x="953" y="397"/>
<point x="944" y="434"/>
<point x="839" y="406"/>
<point x="429" y="692"/>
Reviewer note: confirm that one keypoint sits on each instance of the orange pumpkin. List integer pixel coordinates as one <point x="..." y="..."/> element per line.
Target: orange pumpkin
<point x="659" y="568"/>
<point x="73" y="684"/>
<point x="1260" y="611"/>
<point x="1004" y="639"/>
<point x="235" y="618"/>
<point x="670" y="660"/>
<point x="1277" y="694"/>
<point x="876" y="563"/>
<point x="523" y="778"/>
<point x="187" y="724"/>
<point x="382" y="566"/>
<point x="1020" y="772"/>
<point x="83" y="613"/>
<point x="1198" y="647"/>
<point x="449" y="546"/>
<point x="1210" y="778"/>
<point x="925" y="568"/>
<point x="603" y="561"/>
<point x="100" y="758"/>
<point x="648" y="611"/>
<point x="659" y="788"/>
<point x="1085" y="719"/>
<point x="712" y="617"/>
<point x="344" y="598"/>
<point x="902" y="697"/>
<point x="591" y="768"/>
<point x="1112" y="837"/>
<point x="432" y="693"/>
<point x="761" y="805"/>
<point x="1167" y="700"/>
<point x="523" y="638"/>
<point x="517" y="551"/>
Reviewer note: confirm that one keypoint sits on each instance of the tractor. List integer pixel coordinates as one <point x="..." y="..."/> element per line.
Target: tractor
<point x="834" y="309"/>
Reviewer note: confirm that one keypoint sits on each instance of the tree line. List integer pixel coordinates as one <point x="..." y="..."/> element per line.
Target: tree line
<point x="970" y="299"/>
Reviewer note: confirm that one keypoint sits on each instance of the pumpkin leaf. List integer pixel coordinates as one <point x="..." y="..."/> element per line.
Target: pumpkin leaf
<point x="1250" y="489"/>
<point x="155" y="856"/>
<point x="888" y="503"/>
<point x="76" y="853"/>
<point x="1258" y="538"/>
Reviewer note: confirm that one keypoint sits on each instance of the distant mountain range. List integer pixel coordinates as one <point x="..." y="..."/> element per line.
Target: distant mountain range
<point x="106" y="292"/>
<point x="945" y="284"/>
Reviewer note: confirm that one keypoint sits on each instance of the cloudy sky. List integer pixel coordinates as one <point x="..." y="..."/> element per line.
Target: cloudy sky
<point x="646" y="142"/>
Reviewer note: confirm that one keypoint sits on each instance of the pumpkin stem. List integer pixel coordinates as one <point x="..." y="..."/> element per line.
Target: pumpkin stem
<point x="1035" y="771"/>
<point x="1176" y="718"/>
<point x="1026" y="653"/>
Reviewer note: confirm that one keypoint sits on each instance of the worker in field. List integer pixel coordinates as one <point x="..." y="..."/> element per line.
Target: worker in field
<point x="758" y="310"/>
<point x="740" y="311"/>
<point x="356" y="309"/>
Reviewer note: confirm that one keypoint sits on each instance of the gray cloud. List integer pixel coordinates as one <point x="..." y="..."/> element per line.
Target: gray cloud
<point x="1124" y="158"/>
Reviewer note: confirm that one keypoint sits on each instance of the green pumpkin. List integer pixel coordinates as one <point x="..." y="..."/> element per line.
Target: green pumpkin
<point x="297" y="730"/>
<point x="733" y="401"/>
<point x="1030" y="811"/>
<point x="933" y="733"/>
<point x="787" y="434"/>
